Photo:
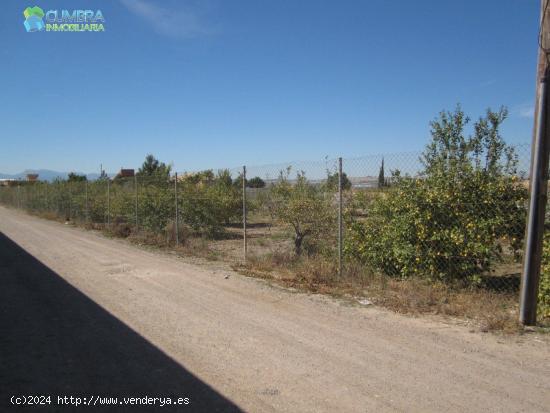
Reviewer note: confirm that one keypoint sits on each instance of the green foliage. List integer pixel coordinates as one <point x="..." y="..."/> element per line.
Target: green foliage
<point x="544" y="287"/>
<point x="199" y="178"/>
<point x="122" y="200"/>
<point x="256" y="182"/>
<point x="332" y="181"/>
<point x="381" y="176"/>
<point x="151" y="167"/>
<point x="238" y="181"/>
<point x="206" y="205"/>
<point x="103" y="176"/>
<point x="223" y="178"/>
<point x="97" y="200"/>
<point x="76" y="178"/>
<point x="209" y="201"/>
<point x="451" y="153"/>
<point x="304" y="207"/>
<point x="455" y="221"/>
<point x="156" y="206"/>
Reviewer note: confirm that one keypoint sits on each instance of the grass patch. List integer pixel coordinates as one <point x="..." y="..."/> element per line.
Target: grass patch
<point x="486" y="310"/>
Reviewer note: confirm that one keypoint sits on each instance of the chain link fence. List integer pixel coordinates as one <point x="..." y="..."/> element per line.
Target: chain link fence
<point x="382" y="215"/>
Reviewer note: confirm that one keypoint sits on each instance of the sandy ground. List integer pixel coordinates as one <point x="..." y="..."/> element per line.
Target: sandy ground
<point x="131" y="320"/>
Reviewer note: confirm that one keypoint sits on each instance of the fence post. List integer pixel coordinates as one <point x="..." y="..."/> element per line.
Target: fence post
<point x="108" y="202"/>
<point x="58" y="198"/>
<point x="340" y="223"/>
<point x="87" y="206"/>
<point x="245" y="240"/>
<point x="70" y="201"/>
<point x="136" y="200"/>
<point x="177" y="215"/>
<point x="19" y="196"/>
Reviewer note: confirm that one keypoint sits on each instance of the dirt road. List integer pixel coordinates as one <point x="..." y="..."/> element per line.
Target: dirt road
<point x="85" y="314"/>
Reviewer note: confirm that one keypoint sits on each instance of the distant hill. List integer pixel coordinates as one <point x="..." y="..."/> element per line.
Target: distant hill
<point x="46" y="175"/>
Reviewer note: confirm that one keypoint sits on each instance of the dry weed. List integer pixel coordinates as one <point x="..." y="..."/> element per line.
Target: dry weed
<point x="489" y="311"/>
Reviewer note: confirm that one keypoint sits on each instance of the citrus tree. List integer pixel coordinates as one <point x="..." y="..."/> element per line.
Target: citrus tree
<point x="302" y="206"/>
<point x="455" y="219"/>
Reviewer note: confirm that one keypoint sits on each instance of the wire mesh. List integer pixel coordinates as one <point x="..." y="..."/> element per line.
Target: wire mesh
<point x="456" y="225"/>
<point x="398" y="219"/>
<point x="293" y="209"/>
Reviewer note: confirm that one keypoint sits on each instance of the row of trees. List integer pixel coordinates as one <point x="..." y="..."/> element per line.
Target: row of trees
<point x="463" y="214"/>
<point x="460" y="216"/>
<point x="153" y="168"/>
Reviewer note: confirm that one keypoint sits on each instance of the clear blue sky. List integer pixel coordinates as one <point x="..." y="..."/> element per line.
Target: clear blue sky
<point x="221" y="83"/>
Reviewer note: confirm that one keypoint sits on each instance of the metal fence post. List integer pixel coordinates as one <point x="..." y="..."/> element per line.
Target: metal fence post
<point x="58" y="198"/>
<point x="176" y="201"/>
<point x="70" y="201"/>
<point x="108" y="202"/>
<point x="136" y="200"/>
<point x="87" y="212"/>
<point x="245" y="240"/>
<point x="340" y="223"/>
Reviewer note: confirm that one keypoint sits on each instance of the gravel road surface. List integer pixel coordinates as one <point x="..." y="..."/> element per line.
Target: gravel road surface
<point x="85" y="315"/>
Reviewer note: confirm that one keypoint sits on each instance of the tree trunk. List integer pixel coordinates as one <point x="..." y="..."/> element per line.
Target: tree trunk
<point x="298" y="244"/>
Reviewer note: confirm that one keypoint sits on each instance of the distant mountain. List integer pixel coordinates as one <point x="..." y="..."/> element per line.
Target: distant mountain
<point x="46" y="175"/>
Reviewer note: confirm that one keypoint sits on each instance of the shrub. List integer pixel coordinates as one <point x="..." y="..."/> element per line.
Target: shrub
<point x="122" y="200"/>
<point x="438" y="228"/>
<point x="156" y="204"/>
<point x="256" y="182"/>
<point x="305" y="208"/>
<point x="332" y="181"/>
<point x="208" y="202"/>
<point x="544" y="288"/>
<point x="454" y="221"/>
<point x="97" y="201"/>
<point x="74" y="177"/>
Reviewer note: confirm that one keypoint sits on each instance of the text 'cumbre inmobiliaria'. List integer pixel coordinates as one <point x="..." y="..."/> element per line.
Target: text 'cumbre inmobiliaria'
<point x="36" y="20"/>
<point x="77" y="21"/>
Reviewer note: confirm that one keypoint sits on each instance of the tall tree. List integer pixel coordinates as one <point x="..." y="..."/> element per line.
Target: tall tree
<point x="154" y="168"/>
<point x="332" y="181"/>
<point x="256" y="182"/>
<point x="452" y="154"/>
<point x="73" y="177"/>
<point x="303" y="207"/>
<point x="381" y="176"/>
<point x="103" y="175"/>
